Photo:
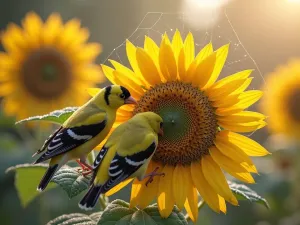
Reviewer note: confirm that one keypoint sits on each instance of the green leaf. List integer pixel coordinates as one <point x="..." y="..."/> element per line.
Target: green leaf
<point x="27" y="178"/>
<point x="242" y="192"/>
<point x="71" y="181"/>
<point x="57" y="116"/>
<point x="118" y="212"/>
<point x="75" y="218"/>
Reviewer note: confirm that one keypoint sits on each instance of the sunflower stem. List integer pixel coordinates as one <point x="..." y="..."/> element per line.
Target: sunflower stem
<point x="200" y="205"/>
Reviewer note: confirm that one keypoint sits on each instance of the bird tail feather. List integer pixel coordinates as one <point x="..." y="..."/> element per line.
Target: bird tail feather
<point x="90" y="199"/>
<point x="47" y="177"/>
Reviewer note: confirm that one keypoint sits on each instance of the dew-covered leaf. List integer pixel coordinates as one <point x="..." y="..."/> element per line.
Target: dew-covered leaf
<point x="71" y="180"/>
<point x="118" y="212"/>
<point x="27" y="178"/>
<point x="242" y="192"/>
<point x="57" y="116"/>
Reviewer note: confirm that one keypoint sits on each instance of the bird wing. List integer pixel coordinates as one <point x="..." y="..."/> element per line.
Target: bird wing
<point x="66" y="139"/>
<point x="123" y="166"/>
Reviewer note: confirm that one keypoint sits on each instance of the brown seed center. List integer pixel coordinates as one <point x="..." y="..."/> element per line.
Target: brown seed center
<point x="190" y="123"/>
<point x="46" y="73"/>
<point x="294" y="105"/>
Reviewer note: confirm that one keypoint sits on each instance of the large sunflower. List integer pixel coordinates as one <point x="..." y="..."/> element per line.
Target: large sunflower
<point x="200" y="116"/>
<point x="282" y="99"/>
<point x="46" y="65"/>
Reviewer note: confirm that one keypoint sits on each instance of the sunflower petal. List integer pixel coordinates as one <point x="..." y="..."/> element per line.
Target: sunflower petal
<point x="242" y="127"/>
<point x="89" y="52"/>
<point x="221" y="57"/>
<point x="7" y="88"/>
<point x="33" y="26"/>
<point x="108" y="72"/>
<point x="181" y="185"/>
<point x="52" y="29"/>
<point x="191" y="204"/>
<point x="189" y="50"/>
<point x="118" y="187"/>
<point x="204" y="71"/>
<point x="167" y="61"/>
<point x="215" y="177"/>
<point x="226" y="102"/>
<point x="147" y="67"/>
<point x="177" y="44"/>
<point x="233" y="168"/>
<point x="91" y="73"/>
<point x="249" y="146"/>
<point x="13" y="39"/>
<point x="165" y="198"/>
<point x="181" y="65"/>
<point x="205" y="189"/>
<point x="243" y="117"/>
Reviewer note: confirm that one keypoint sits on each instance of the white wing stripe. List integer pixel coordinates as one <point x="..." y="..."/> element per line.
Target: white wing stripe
<point x="113" y="167"/>
<point x="78" y="137"/>
<point x="55" y="146"/>
<point x="115" y="160"/>
<point x="133" y="163"/>
<point x="115" y="174"/>
<point x="56" y="140"/>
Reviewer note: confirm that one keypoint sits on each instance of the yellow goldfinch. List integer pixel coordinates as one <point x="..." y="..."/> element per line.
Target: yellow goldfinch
<point x="126" y="154"/>
<point x="83" y="131"/>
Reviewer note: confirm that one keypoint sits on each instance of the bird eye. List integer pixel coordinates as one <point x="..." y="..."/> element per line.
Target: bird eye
<point x="122" y="96"/>
<point x="161" y="124"/>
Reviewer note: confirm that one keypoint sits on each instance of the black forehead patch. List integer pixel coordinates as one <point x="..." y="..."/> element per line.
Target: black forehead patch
<point x="125" y="92"/>
<point x="106" y="94"/>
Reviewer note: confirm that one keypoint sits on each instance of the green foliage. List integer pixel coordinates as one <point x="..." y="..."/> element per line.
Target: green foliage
<point x="57" y="116"/>
<point x="71" y="180"/>
<point x="27" y="178"/>
<point x="76" y="219"/>
<point x="242" y="192"/>
<point x="118" y="212"/>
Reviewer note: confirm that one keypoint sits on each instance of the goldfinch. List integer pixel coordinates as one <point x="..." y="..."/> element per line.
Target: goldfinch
<point x="126" y="154"/>
<point x="82" y="131"/>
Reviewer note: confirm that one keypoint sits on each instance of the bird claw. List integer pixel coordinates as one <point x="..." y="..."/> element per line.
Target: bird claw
<point x="153" y="174"/>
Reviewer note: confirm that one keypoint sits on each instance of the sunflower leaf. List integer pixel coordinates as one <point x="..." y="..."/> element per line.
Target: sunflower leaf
<point x="71" y="181"/>
<point x="57" y="116"/>
<point x="242" y="192"/>
<point x="27" y="178"/>
<point x="75" y="219"/>
<point x="118" y="212"/>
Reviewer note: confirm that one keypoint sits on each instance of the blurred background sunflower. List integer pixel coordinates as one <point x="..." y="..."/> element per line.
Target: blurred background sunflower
<point x="267" y="29"/>
<point x="46" y="66"/>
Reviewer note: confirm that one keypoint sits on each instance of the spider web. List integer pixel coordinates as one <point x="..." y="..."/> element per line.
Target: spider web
<point x="155" y="24"/>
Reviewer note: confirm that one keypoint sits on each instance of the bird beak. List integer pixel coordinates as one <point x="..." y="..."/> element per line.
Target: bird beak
<point x="161" y="132"/>
<point x="130" y="100"/>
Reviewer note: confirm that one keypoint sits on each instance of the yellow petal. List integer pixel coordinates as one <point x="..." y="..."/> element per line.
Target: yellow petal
<point x="237" y="76"/>
<point x="10" y="106"/>
<point x="167" y="61"/>
<point x="242" y="127"/>
<point x="189" y="50"/>
<point x="191" y="204"/>
<point x="33" y="26"/>
<point x="234" y="169"/>
<point x="203" y="54"/>
<point x="165" y="198"/>
<point x="177" y="44"/>
<point x="205" y="189"/>
<point x="204" y="71"/>
<point x="181" y="184"/>
<point x="7" y="63"/>
<point x="222" y="204"/>
<point x="250" y="147"/>
<point x="93" y="91"/>
<point x="131" y="54"/>
<point x="215" y="177"/>
<point x="108" y="72"/>
<point x="243" y="87"/>
<point x="92" y="73"/>
<point x="88" y="53"/>
<point x="181" y="65"/>
<point x="226" y="102"/>
<point x="118" y="187"/>
<point x="147" y="67"/>
<point x="225" y="90"/>
<point x="52" y="29"/>
<point x="7" y="88"/>
<point x="13" y="40"/>
<point x="221" y="57"/>
<point x="243" y="117"/>
<point x="129" y="73"/>
<point x="147" y="193"/>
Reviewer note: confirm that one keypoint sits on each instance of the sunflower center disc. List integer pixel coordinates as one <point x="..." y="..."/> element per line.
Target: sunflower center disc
<point x="190" y="123"/>
<point x="293" y="105"/>
<point x="46" y="73"/>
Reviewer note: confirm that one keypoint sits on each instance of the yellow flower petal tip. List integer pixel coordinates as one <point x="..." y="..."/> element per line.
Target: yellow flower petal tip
<point x="39" y="65"/>
<point x="169" y="73"/>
